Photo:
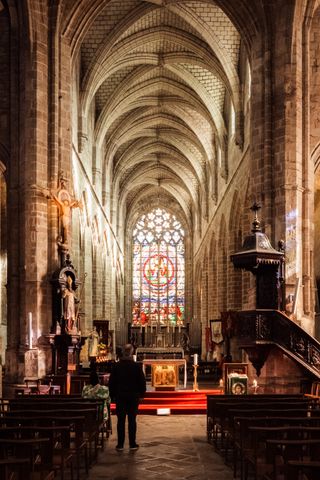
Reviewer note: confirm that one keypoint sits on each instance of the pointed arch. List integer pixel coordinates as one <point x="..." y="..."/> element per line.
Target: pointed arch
<point x="235" y="234"/>
<point x="222" y="266"/>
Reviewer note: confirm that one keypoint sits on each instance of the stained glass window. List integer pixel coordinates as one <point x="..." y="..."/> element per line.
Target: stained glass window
<point x="158" y="276"/>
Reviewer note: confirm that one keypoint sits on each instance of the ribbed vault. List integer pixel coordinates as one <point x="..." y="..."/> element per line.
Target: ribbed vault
<point x="160" y="80"/>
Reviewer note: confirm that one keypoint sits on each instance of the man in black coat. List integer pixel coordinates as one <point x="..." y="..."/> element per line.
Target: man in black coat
<point x="127" y="384"/>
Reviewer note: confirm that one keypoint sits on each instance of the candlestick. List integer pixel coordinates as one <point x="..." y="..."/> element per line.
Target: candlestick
<point x="195" y="375"/>
<point x="255" y="386"/>
<point x="221" y="385"/>
<point x="30" y="329"/>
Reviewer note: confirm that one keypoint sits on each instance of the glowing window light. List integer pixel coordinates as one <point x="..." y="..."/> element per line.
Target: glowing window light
<point x="158" y="266"/>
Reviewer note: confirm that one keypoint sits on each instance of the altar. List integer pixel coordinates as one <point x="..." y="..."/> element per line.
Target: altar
<point x="165" y="372"/>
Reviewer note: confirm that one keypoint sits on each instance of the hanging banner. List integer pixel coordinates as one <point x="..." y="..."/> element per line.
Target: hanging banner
<point x="216" y="331"/>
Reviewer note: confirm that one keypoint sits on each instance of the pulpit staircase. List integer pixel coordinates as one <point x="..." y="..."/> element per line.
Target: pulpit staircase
<point x="259" y="330"/>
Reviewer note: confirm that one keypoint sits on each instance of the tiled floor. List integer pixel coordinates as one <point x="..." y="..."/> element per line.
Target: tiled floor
<point x="171" y="448"/>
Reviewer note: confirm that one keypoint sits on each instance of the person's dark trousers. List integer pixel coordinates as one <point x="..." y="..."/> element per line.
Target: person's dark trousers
<point x="126" y="407"/>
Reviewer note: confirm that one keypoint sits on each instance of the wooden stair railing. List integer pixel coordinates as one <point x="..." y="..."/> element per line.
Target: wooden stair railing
<point x="258" y="330"/>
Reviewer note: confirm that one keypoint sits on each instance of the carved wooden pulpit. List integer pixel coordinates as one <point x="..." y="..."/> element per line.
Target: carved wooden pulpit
<point x="267" y="264"/>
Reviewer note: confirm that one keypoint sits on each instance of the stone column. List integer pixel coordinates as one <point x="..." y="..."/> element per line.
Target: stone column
<point x="28" y="289"/>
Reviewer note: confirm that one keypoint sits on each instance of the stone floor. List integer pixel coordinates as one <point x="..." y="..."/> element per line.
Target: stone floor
<point x="171" y="448"/>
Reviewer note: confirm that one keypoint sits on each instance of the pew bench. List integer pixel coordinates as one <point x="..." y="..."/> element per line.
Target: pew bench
<point x="38" y="450"/>
<point x="303" y="470"/>
<point x="78" y="442"/>
<point x="17" y="468"/>
<point x="256" y="456"/>
<point x="280" y="452"/>
<point x="213" y="415"/>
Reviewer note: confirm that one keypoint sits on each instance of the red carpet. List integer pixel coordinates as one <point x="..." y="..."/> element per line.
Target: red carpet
<point x="183" y="402"/>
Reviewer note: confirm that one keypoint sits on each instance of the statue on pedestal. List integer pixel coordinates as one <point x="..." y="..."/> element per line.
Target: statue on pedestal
<point x="94" y="340"/>
<point x="65" y="301"/>
<point x="69" y="307"/>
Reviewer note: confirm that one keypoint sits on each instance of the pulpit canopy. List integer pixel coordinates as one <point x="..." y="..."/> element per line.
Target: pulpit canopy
<point x="256" y="249"/>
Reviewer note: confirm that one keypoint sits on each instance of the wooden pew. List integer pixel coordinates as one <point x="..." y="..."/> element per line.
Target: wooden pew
<point x="228" y="412"/>
<point x="246" y="426"/>
<point x="38" y="450"/>
<point x="92" y="413"/>
<point x="280" y="452"/>
<point x="78" y="446"/>
<point x="258" y="458"/>
<point x="76" y="403"/>
<point x="213" y="430"/>
<point x="303" y="470"/>
<point x="17" y="468"/>
<point x="60" y="442"/>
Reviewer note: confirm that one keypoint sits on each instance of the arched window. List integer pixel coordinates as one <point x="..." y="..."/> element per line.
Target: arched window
<point x="158" y="278"/>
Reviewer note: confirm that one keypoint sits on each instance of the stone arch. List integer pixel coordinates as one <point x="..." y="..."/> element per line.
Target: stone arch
<point x="212" y="278"/>
<point x="196" y="324"/>
<point x="235" y="236"/>
<point x="223" y="266"/>
<point x="205" y="321"/>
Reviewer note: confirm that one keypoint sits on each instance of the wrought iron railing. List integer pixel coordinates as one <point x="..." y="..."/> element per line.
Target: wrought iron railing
<point x="254" y="327"/>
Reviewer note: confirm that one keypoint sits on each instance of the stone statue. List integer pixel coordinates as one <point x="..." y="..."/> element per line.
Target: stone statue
<point x="69" y="307"/>
<point x="94" y="340"/>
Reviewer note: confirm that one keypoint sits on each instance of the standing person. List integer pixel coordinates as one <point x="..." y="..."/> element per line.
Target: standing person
<point x="127" y="384"/>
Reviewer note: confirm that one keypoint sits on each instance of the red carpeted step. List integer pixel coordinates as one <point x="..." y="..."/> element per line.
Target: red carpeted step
<point x="182" y="402"/>
<point x="174" y="400"/>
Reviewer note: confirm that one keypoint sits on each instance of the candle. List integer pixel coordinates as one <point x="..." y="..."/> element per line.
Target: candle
<point x="221" y="383"/>
<point x="254" y="383"/>
<point x="134" y="358"/>
<point x="195" y="359"/>
<point x="30" y="329"/>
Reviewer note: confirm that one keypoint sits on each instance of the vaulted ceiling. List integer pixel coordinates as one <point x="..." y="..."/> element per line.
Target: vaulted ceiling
<point x="162" y="78"/>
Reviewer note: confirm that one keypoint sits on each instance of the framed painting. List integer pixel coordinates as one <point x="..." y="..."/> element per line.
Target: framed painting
<point x="164" y="376"/>
<point x="216" y="331"/>
<point x="233" y="374"/>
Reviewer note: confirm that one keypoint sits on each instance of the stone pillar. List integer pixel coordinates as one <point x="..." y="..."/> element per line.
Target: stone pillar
<point x="27" y="207"/>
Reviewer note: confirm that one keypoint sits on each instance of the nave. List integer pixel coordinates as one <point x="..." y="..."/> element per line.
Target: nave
<point x="171" y="447"/>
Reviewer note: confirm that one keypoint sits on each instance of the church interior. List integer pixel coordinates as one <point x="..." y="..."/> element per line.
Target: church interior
<point x="159" y="185"/>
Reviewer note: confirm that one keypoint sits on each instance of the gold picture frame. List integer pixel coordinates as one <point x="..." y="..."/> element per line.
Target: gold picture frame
<point x="164" y="376"/>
